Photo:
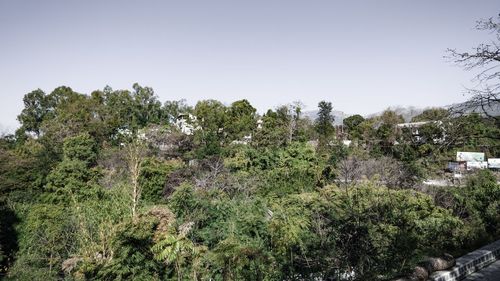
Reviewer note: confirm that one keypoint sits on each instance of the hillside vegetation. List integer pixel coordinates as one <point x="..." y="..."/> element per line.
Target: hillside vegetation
<point x="111" y="186"/>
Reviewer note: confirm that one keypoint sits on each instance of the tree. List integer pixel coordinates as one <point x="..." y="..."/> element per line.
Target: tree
<point x="118" y="109"/>
<point x="432" y="114"/>
<point x="241" y="120"/>
<point x="147" y="108"/>
<point x="82" y="148"/>
<point x="35" y="111"/>
<point x="8" y="236"/>
<point x="132" y="258"/>
<point x="477" y="203"/>
<point x="211" y="116"/>
<point x="352" y="123"/>
<point x="70" y="114"/>
<point x="485" y="58"/>
<point x="324" y="125"/>
<point x="174" y="248"/>
<point x="73" y="179"/>
<point x="172" y="109"/>
<point x="48" y="235"/>
<point x="153" y="177"/>
<point x="294" y="125"/>
<point x="135" y="151"/>
<point x="280" y="127"/>
<point x="387" y="131"/>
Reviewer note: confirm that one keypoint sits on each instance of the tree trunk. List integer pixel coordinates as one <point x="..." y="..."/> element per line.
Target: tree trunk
<point x="135" y="153"/>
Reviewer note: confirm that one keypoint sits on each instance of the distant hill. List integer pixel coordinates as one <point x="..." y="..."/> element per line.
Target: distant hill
<point x="493" y="110"/>
<point x="338" y="116"/>
<point x="408" y="112"/>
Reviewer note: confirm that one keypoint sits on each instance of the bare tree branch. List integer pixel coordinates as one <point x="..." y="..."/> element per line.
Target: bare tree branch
<point x="486" y="58"/>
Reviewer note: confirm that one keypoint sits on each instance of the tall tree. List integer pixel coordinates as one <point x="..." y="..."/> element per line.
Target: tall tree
<point x="70" y="113"/>
<point x="324" y="125"/>
<point x="352" y="124"/>
<point x="241" y="119"/>
<point x="35" y="110"/>
<point x="211" y="116"/>
<point x="276" y="128"/>
<point x="73" y="179"/>
<point x="147" y="108"/>
<point x="387" y="132"/>
<point x="135" y="150"/>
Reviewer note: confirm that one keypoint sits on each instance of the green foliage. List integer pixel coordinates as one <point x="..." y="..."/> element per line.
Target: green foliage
<point x="266" y="210"/>
<point x="152" y="178"/>
<point x="23" y="169"/>
<point x="338" y="151"/>
<point x="289" y="224"/>
<point x="183" y="200"/>
<point x="73" y="178"/>
<point x="176" y="249"/>
<point x="295" y="171"/>
<point x="431" y="133"/>
<point x="211" y="116"/>
<point x="275" y="128"/>
<point x="477" y="204"/>
<point x="146" y="107"/>
<point x="233" y="231"/>
<point x="241" y="120"/>
<point x="8" y="234"/>
<point x="352" y="125"/>
<point x="172" y="109"/>
<point x="433" y="114"/>
<point x="132" y="255"/>
<point x="381" y="230"/>
<point x="324" y="125"/>
<point x="71" y="113"/>
<point x="35" y="111"/>
<point x="80" y="148"/>
<point x="47" y="236"/>
<point x="288" y="170"/>
<point x="70" y="178"/>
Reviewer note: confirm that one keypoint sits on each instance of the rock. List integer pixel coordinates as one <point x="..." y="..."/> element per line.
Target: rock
<point x="420" y="273"/>
<point x="427" y="267"/>
<point x="444" y="262"/>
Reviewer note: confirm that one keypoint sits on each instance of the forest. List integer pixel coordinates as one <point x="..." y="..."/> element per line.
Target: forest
<point x="116" y="185"/>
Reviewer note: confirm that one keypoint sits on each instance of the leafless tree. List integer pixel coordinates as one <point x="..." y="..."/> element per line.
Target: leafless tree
<point x="388" y="171"/>
<point x="385" y="170"/>
<point x="349" y="170"/>
<point x="136" y="151"/>
<point x="485" y="96"/>
<point x="209" y="169"/>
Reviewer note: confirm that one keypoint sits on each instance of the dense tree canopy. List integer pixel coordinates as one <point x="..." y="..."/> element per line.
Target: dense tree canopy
<point x="108" y="186"/>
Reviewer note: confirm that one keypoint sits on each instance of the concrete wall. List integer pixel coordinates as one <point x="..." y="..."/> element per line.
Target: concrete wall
<point x="470" y="263"/>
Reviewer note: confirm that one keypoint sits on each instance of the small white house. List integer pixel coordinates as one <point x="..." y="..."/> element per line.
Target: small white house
<point x="259" y="124"/>
<point x="186" y="123"/>
<point x="494" y="163"/>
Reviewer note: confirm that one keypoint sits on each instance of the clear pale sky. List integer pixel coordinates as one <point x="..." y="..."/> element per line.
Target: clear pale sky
<point x="362" y="55"/>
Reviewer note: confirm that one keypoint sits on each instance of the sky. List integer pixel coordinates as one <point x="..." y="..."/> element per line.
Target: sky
<point x="363" y="56"/>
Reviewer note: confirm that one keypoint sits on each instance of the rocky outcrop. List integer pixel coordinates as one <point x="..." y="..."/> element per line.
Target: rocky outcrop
<point x="427" y="267"/>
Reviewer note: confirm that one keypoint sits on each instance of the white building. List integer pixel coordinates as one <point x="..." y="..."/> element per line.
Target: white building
<point x="187" y="123"/>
